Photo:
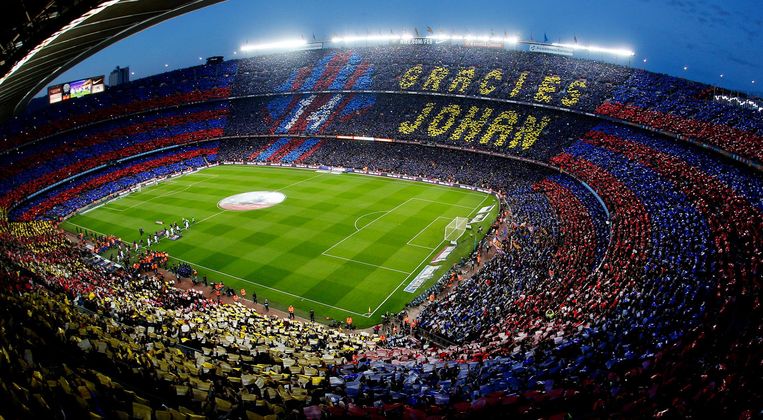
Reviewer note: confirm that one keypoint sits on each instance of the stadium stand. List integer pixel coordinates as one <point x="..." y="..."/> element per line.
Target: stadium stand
<point x="625" y="277"/>
<point x="179" y="87"/>
<point x="82" y="192"/>
<point x="659" y="102"/>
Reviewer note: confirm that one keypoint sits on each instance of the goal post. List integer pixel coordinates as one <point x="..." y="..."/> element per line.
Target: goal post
<point x="455" y="229"/>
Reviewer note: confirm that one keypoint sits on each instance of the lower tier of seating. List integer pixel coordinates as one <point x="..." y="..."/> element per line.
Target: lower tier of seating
<point x="649" y="307"/>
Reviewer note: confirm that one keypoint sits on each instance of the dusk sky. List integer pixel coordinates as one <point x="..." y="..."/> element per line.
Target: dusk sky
<point x="709" y="37"/>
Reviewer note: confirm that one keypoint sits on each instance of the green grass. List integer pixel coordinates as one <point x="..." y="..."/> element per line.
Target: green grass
<point x="339" y="244"/>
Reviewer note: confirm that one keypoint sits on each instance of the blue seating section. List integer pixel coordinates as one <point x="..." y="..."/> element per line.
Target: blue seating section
<point x="270" y="150"/>
<point x="297" y="152"/>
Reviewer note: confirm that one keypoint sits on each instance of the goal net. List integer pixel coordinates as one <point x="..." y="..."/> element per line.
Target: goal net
<point x="145" y="185"/>
<point x="455" y="229"/>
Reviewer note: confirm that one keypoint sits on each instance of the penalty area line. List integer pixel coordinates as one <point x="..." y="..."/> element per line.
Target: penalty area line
<point x="425" y="260"/>
<point x="422" y="231"/>
<point x="365" y="263"/>
<point x="165" y="194"/>
<point x="369" y="224"/>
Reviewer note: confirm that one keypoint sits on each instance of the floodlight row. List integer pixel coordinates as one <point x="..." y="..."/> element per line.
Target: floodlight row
<point x="350" y="39"/>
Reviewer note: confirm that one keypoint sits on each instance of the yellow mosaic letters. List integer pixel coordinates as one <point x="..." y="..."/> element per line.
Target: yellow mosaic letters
<point x="407" y="127"/>
<point x="463" y="78"/>
<point x="502" y="124"/>
<point x="435" y="129"/>
<point x="486" y="89"/>
<point x="469" y="123"/>
<point x="435" y="77"/>
<point x="519" y="84"/>
<point x="529" y="132"/>
<point x="548" y="85"/>
<point x="411" y="76"/>
<point x="573" y="94"/>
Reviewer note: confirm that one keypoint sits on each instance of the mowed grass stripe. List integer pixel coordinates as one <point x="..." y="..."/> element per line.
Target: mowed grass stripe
<point x="280" y="248"/>
<point x="380" y="241"/>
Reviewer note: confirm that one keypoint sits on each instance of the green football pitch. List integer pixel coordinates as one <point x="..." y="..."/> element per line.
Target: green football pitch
<point x="341" y="244"/>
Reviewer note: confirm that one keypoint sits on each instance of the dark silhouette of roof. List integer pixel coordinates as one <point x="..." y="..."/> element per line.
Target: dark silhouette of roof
<point x="40" y="39"/>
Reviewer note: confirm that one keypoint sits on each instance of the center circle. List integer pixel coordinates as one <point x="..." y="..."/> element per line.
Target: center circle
<point x="253" y="200"/>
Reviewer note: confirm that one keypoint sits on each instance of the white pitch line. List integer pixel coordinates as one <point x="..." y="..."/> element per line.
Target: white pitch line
<point x="372" y="222"/>
<point x="387" y="213"/>
<point x="282" y="188"/>
<point x="479" y="206"/>
<point x="209" y="217"/>
<point x="365" y="263"/>
<point x="299" y="182"/>
<point x="167" y="194"/>
<point x="423" y="261"/>
<point x="441" y="202"/>
<point x="271" y="288"/>
<point x="80" y="226"/>
<point x="420" y="246"/>
<point x="367" y="214"/>
<point x="366" y="315"/>
<point x="422" y="230"/>
<point x="249" y="281"/>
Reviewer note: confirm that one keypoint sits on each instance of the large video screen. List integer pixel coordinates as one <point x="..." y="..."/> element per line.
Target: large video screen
<point x="75" y="89"/>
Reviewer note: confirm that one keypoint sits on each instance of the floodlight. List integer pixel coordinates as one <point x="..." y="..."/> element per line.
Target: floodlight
<point x="276" y="45"/>
<point x="592" y="48"/>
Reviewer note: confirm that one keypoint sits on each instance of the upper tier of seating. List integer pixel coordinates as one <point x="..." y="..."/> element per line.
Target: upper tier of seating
<point x="173" y="88"/>
<point x="653" y="100"/>
<point x="37" y="167"/>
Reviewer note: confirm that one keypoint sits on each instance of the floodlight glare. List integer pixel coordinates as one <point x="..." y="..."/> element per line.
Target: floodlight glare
<point x="614" y="51"/>
<point x="276" y="45"/>
<point x="366" y="38"/>
<point x="470" y="37"/>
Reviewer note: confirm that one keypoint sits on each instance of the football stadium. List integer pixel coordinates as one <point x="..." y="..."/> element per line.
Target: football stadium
<point x="417" y="223"/>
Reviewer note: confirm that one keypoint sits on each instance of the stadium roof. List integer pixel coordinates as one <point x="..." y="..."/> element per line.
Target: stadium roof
<point x="62" y="33"/>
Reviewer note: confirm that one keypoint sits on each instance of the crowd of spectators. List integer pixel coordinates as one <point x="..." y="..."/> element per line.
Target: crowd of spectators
<point x="131" y="343"/>
<point x="653" y="100"/>
<point x="649" y="306"/>
<point x="447" y="165"/>
<point x="62" y="161"/>
<point x="669" y="261"/>
<point x="114" y="179"/>
<point x="657" y="101"/>
<point x="170" y="89"/>
<point x="687" y="108"/>
<point x="390" y="113"/>
<point x="59" y="146"/>
<point x="547" y="313"/>
<point x="520" y="72"/>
